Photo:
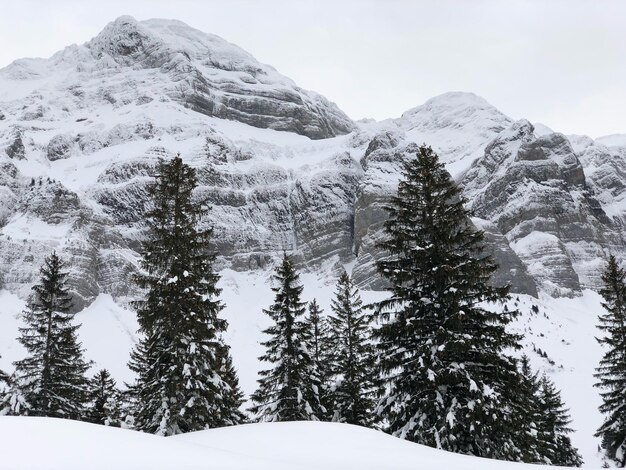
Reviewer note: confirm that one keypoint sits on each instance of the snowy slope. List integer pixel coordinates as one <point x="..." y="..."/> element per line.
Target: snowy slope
<point x="67" y="445"/>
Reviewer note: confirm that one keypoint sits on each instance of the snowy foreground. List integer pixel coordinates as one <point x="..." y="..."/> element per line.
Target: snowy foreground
<point x="51" y="444"/>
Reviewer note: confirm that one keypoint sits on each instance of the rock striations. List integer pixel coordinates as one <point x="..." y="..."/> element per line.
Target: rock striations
<point x="284" y="168"/>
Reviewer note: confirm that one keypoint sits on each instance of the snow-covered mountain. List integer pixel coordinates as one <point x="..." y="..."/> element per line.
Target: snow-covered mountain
<point x="285" y="170"/>
<point x="80" y="133"/>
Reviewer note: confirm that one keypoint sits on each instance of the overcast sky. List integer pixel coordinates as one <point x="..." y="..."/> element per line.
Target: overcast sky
<point x="559" y="62"/>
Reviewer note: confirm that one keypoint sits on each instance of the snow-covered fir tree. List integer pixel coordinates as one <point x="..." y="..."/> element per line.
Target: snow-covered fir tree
<point x="4" y="379"/>
<point x="555" y="446"/>
<point x="289" y="389"/>
<point x="611" y="372"/>
<point x="353" y="397"/>
<point x="320" y="349"/>
<point x="232" y="398"/>
<point x="527" y="413"/>
<point x="542" y="421"/>
<point x="50" y="381"/>
<point x="179" y="387"/>
<point x="104" y="400"/>
<point x="448" y="382"/>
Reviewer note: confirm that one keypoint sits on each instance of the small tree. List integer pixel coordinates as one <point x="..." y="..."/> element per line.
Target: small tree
<point x="289" y="390"/>
<point x="50" y="380"/>
<point x="527" y="414"/>
<point x="553" y="428"/>
<point x="446" y="376"/>
<point x="233" y="398"/>
<point x="611" y="373"/>
<point x="320" y="349"/>
<point x="104" y="400"/>
<point x="179" y="387"/>
<point x="353" y="357"/>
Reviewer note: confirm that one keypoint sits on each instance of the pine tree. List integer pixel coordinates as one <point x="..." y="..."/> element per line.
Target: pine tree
<point x="555" y="446"/>
<point x="50" y="380"/>
<point x="446" y="376"/>
<point x="104" y="400"/>
<point x="353" y="361"/>
<point x="233" y="397"/>
<point x="4" y="379"/>
<point x="527" y="414"/>
<point x="289" y="390"/>
<point x="179" y="387"/>
<point x="320" y="349"/>
<point x="5" y="383"/>
<point x="611" y="373"/>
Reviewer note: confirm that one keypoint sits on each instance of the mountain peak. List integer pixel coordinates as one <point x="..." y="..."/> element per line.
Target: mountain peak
<point x="197" y="70"/>
<point x="455" y="103"/>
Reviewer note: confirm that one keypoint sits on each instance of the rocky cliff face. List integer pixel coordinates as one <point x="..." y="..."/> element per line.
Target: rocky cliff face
<point x="534" y="189"/>
<point x="283" y="168"/>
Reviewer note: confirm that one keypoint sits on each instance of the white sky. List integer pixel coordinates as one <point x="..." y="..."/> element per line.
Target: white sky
<point x="559" y="62"/>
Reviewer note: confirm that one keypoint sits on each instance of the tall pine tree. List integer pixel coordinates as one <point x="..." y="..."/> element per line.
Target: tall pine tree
<point x="353" y="357"/>
<point x="179" y="384"/>
<point x="446" y="376"/>
<point x="289" y="390"/>
<point x="320" y="349"/>
<point x="50" y="380"/>
<point x="611" y="372"/>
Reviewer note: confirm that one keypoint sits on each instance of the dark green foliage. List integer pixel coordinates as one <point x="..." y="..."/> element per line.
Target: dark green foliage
<point x="353" y="357"/>
<point x="179" y="387"/>
<point x="611" y="373"/>
<point x="527" y="415"/>
<point x="51" y="379"/>
<point x="555" y="446"/>
<point x="104" y="400"/>
<point x="289" y="390"/>
<point x="320" y="350"/>
<point x="4" y="379"/>
<point x="448" y="382"/>
<point x="543" y="421"/>
<point x="233" y="397"/>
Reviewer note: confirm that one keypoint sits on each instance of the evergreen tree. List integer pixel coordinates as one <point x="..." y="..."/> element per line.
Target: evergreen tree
<point x="555" y="445"/>
<point x="179" y="387"/>
<point x="320" y="349"/>
<point x="233" y="398"/>
<point x="447" y="379"/>
<point x="611" y="373"/>
<point x="4" y="379"/>
<point x="527" y="414"/>
<point x="104" y="400"/>
<point x="289" y="390"/>
<point x="353" y="362"/>
<point x="50" y="380"/>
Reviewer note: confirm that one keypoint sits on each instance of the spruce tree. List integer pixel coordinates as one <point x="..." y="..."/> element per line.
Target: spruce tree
<point x="104" y="400"/>
<point x="446" y="376"/>
<point x="320" y="349"/>
<point x="611" y="372"/>
<point x="50" y="381"/>
<point x="555" y="446"/>
<point x="179" y="387"/>
<point x="353" y="357"/>
<point x="527" y="414"/>
<point x="233" y="398"/>
<point x="4" y="379"/>
<point x="289" y="389"/>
